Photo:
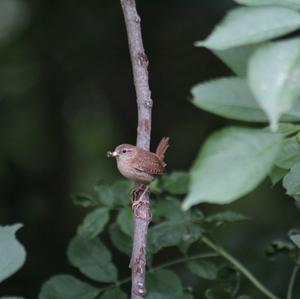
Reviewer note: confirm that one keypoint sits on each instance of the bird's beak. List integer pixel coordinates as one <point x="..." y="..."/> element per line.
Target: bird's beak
<point x="112" y="154"/>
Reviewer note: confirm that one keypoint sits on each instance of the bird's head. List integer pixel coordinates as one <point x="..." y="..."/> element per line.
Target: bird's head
<point x="123" y="152"/>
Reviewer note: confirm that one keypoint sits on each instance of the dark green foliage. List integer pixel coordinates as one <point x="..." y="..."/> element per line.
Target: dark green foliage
<point x="92" y="258"/>
<point x="67" y="287"/>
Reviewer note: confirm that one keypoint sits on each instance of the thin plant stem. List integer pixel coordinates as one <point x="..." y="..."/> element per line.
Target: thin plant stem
<point x="292" y="280"/>
<point x="139" y="63"/>
<point x="222" y="252"/>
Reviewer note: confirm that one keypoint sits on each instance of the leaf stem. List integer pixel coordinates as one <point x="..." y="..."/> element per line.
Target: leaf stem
<point x="184" y="259"/>
<point x="222" y="252"/>
<point x="165" y="265"/>
<point x="292" y="280"/>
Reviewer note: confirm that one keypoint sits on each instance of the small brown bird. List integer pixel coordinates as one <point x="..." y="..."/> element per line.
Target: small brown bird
<point x="141" y="167"/>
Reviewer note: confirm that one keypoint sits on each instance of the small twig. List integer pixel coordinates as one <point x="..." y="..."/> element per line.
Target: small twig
<point x="144" y="104"/>
<point x="222" y="252"/>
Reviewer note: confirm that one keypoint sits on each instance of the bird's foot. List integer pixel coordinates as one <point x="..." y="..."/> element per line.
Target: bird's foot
<point x="139" y="201"/>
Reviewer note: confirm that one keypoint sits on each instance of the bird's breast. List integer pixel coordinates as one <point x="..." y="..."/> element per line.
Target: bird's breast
<point x="128" y="170"/>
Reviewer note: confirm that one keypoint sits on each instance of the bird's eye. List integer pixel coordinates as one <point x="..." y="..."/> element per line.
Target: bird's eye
<point x="124" y="151"/>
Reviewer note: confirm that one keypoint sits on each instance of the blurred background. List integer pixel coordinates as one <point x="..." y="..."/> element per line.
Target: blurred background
<point x="66" y="97"/>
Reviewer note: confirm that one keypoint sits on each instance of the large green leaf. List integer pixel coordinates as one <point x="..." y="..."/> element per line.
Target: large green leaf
<point x="228" y="97"/>
<point x="93" y="223"/>
<point x="249" y="25"/>
<point x="167" y="208"/>
<point x="274" y="75"/>
<point x="67" y="287"/>
<point x="291" y="181"/>
<point x="92" y="258"/>
<point x="287" y="3"/>
<point x="175" y="183"/>
<point x="115" y="194"/>
<point x="165" y="234"/>
<point x="125" y="220"/>
<point x="115" y="293"/>
<point x="231" y="163"/>
<point x="120" y="240"/>
<point x="289" y="154"/>
<point x="163" y="284"/>
<point x="232" y="98"/>
<point x="12" y="253"/>
<point x="237" y="58"/>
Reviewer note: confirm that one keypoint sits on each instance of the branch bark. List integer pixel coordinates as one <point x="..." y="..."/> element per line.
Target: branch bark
<point x="139" y="62"/>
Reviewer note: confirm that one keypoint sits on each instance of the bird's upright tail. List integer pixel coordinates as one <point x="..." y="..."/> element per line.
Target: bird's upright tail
<point x="162" y="148"/>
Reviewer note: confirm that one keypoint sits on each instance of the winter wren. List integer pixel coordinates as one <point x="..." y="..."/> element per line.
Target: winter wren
<point x="139" y="165"/>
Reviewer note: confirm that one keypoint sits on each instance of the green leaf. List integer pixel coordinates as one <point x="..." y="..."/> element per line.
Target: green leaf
<point x="249" y="25"/>
<point x="237" y="58"/>
<point x="122" y="191"/>
<point x="12" y="253"/>
<point x="168" y="208"/>
<point x="244" y="297"/>
<point x="296" y="239"/>
<point x="84" y="200"/>
<point x="291" y="182"/>
<point x="287" y="3"/>
<point x="176" y="183"/>
<point x="115" y="293"/>
<point x="163" y="284"/>
<point x="274" y="74"/>
<point x="226" y="216"/>
<point x="286" y="129"/>
<point x="228" y="97"/>
<point x="105" y="194"/>
<point x="203" y="269"/>
<point x="92" y="258"/>
<point x="10" y="297"/>
<point x="232" y="98"/>
<point x="165" y="234"/>
<point x="117" y="194"/>
<point x="277" y="174"/>
<point x="231" y="163"/>
<point x="289" y="154"/>
<point x="67" y="287"/>
<point x="125" y="220"/>
<point x="120" y="240"/>
<point x="93" y="223"/>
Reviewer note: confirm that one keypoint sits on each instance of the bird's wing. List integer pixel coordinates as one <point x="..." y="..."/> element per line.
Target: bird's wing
<point x="152" y="164"/>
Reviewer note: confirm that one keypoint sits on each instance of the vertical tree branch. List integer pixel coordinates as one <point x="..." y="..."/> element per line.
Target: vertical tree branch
<point x="144" y="104"/>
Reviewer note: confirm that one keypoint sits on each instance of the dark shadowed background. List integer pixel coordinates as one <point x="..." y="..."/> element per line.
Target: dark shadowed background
<point x="66" y="97"/>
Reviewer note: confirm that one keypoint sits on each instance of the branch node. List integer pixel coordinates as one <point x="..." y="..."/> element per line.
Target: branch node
<point x="142" y="59"/>
<point x="149" y="103"/>
<point x="137" y="19"/>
